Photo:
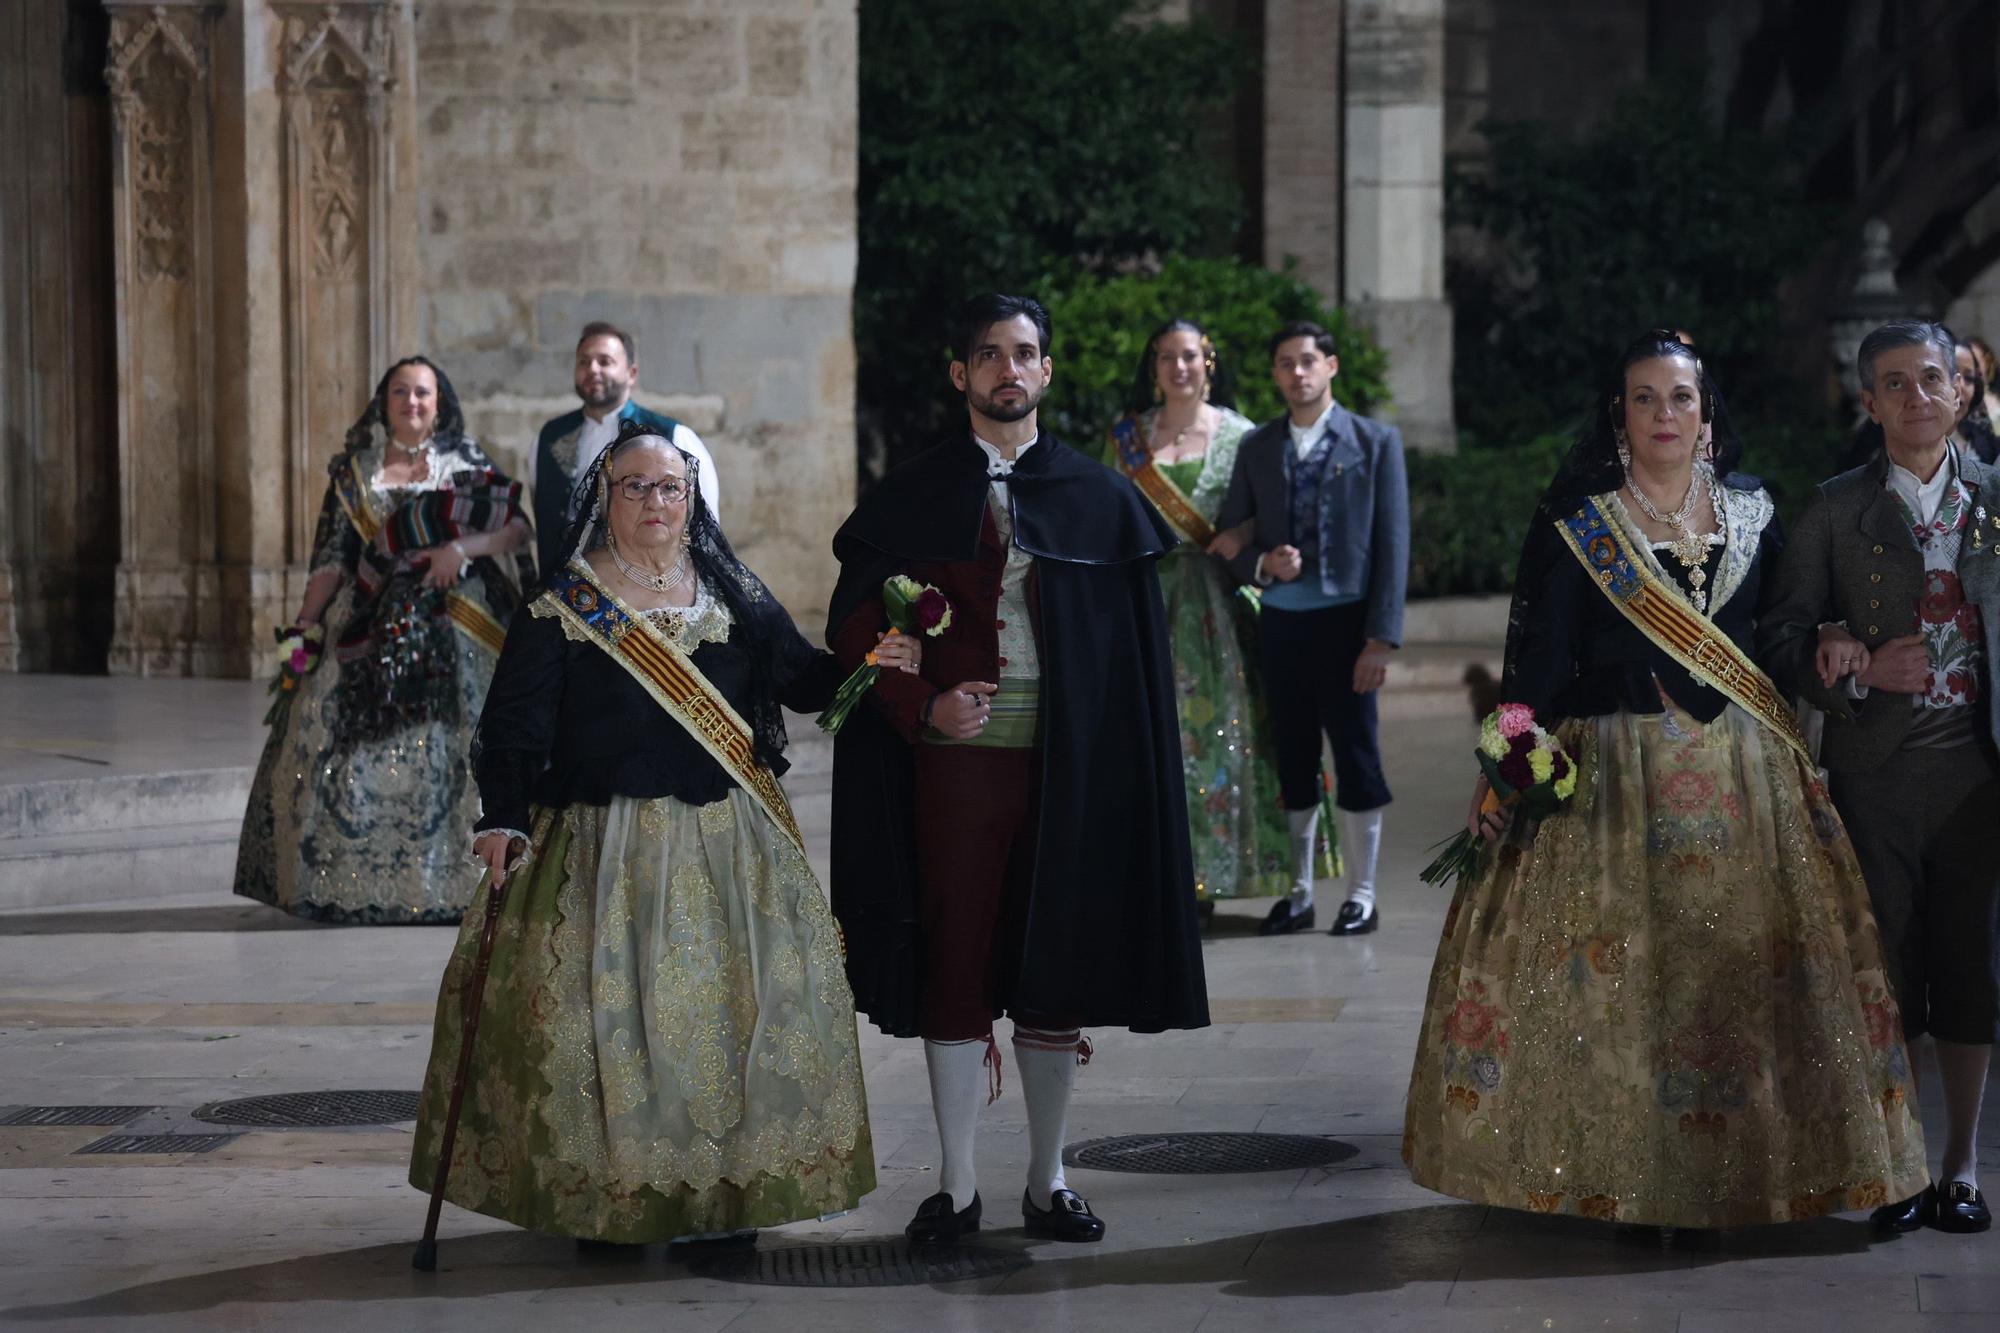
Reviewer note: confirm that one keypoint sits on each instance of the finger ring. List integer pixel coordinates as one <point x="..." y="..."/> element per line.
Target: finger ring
<point x="982" y="721"/>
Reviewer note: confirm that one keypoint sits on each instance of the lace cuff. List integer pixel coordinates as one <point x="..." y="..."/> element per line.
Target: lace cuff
<point x="527" y="851"/>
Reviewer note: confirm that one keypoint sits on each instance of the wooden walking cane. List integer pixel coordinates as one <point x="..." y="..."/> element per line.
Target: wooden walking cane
<point x="470" y="1002"/>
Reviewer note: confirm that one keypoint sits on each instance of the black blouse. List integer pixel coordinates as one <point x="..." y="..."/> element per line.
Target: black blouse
<point x="1571" y="653"/>
<point x="565" y="724"/>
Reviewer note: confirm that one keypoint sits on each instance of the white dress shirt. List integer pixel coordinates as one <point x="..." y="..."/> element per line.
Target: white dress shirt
<point x="997" y="467"/>
<point x="1924" y="497"/>
<point x="1305" y="437"/>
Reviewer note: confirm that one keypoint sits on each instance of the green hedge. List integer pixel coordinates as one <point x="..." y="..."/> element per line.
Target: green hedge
<point x="1469" y="512"/>
<point x="1101" y="322"/>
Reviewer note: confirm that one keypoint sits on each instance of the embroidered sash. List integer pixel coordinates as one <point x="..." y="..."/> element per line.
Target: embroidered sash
<point x="1136" y="462"/>
<point x="467" y="613"/>
<point x="676" y="685"/>
<point x="1666" y="619"/>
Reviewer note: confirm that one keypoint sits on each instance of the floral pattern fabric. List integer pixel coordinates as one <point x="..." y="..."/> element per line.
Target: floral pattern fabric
<point x="1949" y="623"/>
<point x="1236" y="819"/>
<point x="1670" y="1007"/>
<point x="667" y="1044"/>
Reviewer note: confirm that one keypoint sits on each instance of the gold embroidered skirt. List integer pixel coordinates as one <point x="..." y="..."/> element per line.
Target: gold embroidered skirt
<point x="668" y="1043"/>
<point x="1671" y="1008"/>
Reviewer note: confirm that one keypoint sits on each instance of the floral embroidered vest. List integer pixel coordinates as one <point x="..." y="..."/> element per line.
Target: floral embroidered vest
<point x="1950" y="625"/>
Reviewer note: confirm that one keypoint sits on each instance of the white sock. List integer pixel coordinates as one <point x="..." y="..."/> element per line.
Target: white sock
<point x="1048" y="1075"/>
<point x="958" y="1090"/>
<point x="1304" y="825"/>
<point x="1361" y="844"/>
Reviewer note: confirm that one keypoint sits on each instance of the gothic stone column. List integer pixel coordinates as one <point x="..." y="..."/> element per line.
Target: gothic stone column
<point x="167" y="599"/>
<point x="347" y="256"/>
<point x="1302" y="139"/>
<point x="1394" y="259"/>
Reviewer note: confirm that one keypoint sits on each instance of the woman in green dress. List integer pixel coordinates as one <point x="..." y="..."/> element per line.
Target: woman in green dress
<point x="1178" y="443"/>
<point x="667" y="1046"/>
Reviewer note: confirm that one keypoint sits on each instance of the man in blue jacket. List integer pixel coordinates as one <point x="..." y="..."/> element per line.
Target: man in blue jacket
<point x="606" y="373"/>
<point x="1329" y="498"/>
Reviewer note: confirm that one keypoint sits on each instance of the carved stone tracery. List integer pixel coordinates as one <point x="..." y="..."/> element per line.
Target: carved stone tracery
<point x="159" y="76"/>
<point x="336" y="64"/>
<point x="158" y="67"/>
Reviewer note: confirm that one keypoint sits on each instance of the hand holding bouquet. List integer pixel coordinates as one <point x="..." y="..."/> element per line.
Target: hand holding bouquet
<point x="1525" y="766"/>
<point x="300" y="648"/>
<point x="912" y="608"/>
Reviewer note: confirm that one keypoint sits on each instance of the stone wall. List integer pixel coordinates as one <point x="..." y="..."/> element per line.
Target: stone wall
<point x="684" y="168"/>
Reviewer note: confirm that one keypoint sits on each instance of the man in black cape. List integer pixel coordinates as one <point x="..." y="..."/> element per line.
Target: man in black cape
<point x="1010" y="826"/>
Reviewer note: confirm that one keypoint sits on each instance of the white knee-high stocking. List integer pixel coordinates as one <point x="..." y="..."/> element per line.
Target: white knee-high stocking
<point x="1362" y="847"/>
<point x="1304" y="826"/>
<point x="958" y="1090"/>
<point x="1048" y="1062"/>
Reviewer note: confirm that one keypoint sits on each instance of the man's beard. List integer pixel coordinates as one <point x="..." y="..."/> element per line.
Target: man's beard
<point x="609" y="396"/>
<point x="1013" y="410"/>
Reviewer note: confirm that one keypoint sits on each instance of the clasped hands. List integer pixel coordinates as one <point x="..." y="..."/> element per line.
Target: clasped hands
<point x="1899" y="666"/>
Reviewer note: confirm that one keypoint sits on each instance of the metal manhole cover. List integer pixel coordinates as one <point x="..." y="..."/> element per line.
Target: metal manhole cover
<point x="71" y="1115"/>
<point x="296" y="1110"/>
<point x="873" y="1263"/>
<point x="1207" y="1154"/>
<point x="156" y="1143"/>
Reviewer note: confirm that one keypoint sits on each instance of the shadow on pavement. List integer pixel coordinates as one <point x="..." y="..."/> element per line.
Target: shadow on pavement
<point x="1374" y="1253"/>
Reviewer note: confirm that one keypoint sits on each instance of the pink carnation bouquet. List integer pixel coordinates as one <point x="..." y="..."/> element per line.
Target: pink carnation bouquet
<point x="913" y="608"/>
<point x="300" y="648"/>
<point x="1525" y="767"/>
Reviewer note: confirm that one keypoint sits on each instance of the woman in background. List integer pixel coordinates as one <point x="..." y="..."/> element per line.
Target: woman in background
<point x="1178" y="443"/>
<point x="363" y="797"/>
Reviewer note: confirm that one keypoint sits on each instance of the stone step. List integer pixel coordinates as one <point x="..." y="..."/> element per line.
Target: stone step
<point x="122" y="801"/>
<point x="124" y="864"/>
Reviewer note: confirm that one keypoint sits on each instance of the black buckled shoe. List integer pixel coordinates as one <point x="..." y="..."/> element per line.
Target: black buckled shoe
<point x="937" y="1223"/>
<point x="1354" y="919"/>
<point x="1284" y="921"/>
<point x="1920" y="1209"/>
<point x="1961" y="1207"/>
<point x="1067" y="1217"/>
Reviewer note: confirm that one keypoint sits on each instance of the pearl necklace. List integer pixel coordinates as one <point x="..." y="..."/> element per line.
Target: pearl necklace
<point x="1690" y="549"/>
<point x="666" y="582"/>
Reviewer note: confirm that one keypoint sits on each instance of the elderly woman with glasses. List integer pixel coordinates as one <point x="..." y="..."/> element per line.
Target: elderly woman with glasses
<point x="668" y="1047"/>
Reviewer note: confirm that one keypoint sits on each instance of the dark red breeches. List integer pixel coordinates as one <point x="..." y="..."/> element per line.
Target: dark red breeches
<point x="975" y="810"/>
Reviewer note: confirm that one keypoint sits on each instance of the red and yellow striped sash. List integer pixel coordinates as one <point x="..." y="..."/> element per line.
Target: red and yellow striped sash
<point x="675" y="684"/>
<point x="1672" y="625"/>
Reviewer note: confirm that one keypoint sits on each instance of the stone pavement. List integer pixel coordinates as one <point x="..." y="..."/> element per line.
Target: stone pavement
<point x="175" y="1000"/>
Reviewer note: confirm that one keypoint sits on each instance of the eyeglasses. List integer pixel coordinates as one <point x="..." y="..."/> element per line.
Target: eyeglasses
<point x="672" y="489"/>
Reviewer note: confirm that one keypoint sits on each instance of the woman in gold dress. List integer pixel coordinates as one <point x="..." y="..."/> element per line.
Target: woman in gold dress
<point x="1666" y="1004"/>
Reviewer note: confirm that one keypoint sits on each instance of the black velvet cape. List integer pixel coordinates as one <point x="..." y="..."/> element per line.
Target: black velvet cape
<point x="1109" y="936"/>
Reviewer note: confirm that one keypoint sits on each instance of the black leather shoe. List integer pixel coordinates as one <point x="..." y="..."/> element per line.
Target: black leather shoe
<point x="937" y="1224"/>
<point x="1920" y="1209"/>
<point x="1067" y="1217"/>
<point x="1961" y="1207"/>
<point x="1354" y="919"/>
<point x="1284" y="921"/>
